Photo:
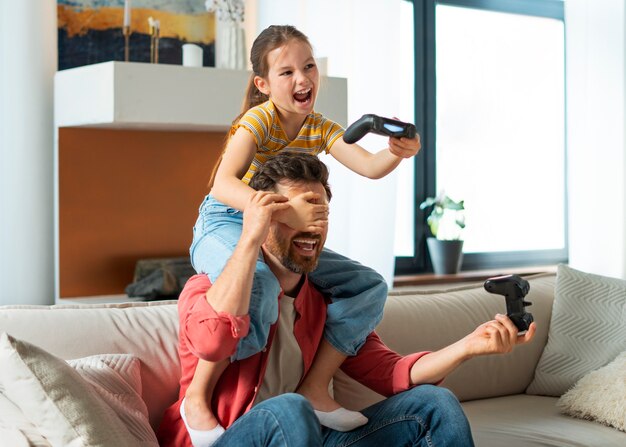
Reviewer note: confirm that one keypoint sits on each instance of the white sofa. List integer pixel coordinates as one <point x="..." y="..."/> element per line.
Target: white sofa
<point x="492" y="389"/>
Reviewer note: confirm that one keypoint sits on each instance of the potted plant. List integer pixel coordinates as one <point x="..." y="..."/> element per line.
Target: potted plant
<point x="446" y="222"/>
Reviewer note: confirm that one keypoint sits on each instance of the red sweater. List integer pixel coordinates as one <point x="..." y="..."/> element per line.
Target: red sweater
<point x="207" y="334"/>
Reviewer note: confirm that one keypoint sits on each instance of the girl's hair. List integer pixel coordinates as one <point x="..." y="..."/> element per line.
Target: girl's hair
<point x="272" y="37"/>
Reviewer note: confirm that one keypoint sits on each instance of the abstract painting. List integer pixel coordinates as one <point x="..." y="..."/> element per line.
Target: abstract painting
<point x="90" y="31"/>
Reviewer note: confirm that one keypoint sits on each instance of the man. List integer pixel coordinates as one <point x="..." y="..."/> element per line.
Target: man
<point x="254" y="398"/>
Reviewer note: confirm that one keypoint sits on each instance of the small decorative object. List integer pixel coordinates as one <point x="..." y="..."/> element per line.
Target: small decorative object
<point x="230" y="42"/>
<point x="446" y="222"/>
<point x="192" y="55"/>
<point x="126" y="30"/>
<point x="154" y="27"/>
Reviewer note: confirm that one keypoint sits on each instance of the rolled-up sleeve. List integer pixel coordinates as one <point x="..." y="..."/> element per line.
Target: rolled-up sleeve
<point x="381" y="369"/>
<point x="208" y="334"/>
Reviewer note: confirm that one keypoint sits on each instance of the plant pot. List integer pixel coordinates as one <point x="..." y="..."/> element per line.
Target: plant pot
<point x="446" y="256"/>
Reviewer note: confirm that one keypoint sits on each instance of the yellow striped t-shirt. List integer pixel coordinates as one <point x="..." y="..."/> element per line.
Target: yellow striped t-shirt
<point x="318" y="134"/>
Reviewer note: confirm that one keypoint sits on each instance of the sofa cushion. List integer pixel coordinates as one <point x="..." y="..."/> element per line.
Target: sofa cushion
<point x="600" y="395"/>
<point x="14" y="425"/>
<point x="56" y="399"/>
<point x="587" y="330"/>
<point x="147" y="330"/>
<point x="418" y="320"/>
<point x="534" y="421"/>
<point x="116" y="378"/>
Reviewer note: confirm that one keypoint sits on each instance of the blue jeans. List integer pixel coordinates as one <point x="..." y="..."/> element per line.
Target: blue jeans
<point x="357" y="292"/>
<point x="422" y="416"/>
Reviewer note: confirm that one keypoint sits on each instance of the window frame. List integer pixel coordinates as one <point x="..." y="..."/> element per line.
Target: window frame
<point x="425" y="122"/>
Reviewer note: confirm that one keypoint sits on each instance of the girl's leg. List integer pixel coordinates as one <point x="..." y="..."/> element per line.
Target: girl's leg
<point x="199" y="392"/>
<point x="315" y="388"/>
<point x="285" y="420"/>
<point x="426" y="415"/>
<point x="202" y="425"/>
<point x="358" y="296"/>
<point x="216" y="234"/>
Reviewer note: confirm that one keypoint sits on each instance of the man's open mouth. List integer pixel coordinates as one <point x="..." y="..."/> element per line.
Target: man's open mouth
<point x="307" y="245"/>
<point x="303" y="96"/>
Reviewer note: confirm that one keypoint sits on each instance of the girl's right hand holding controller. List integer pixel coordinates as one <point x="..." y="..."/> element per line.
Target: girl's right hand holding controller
<point x="305" y="213"/>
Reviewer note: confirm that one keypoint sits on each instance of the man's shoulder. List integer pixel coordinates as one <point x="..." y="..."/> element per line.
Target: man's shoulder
<point x="196" y="285"/>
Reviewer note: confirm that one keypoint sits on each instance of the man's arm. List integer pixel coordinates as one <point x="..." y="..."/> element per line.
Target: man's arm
<point x="213" y="324"/>
<point x="231" y="291"/>
<point x="386" y="372"/>
<point x="497" y="336"/>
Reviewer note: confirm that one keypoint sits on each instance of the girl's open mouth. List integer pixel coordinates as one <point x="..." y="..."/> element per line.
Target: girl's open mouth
<point x="303" y="96"/>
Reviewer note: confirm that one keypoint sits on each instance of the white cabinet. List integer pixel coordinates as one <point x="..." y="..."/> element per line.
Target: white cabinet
<point x="165" y="97"/>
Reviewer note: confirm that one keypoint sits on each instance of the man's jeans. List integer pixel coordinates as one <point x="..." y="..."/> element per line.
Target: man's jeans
<point x="357" y="292"/>
<point x="422" y="416"/>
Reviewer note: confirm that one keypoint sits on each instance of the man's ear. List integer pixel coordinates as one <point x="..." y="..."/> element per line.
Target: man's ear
<point x="262" y="85"/>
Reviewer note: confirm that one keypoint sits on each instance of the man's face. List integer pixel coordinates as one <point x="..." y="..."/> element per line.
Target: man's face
<point x="295" y="250"/>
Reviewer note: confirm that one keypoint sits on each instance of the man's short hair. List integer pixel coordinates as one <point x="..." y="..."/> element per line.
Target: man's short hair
<point x="290" y="167"/>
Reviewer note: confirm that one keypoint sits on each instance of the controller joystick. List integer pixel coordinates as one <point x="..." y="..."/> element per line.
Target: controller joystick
<point x="514" y="289"/>
<point x="378" y="125"/>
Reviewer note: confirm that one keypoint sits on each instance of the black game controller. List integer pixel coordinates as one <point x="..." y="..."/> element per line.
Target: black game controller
<point x="514" y="289"/>
<point x="379" y="125"/>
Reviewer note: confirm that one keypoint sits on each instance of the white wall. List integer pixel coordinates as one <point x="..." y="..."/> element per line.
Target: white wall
<point x="596" y="113"/>
<point x="28" y="60"/>
<point x="360" y="39"/>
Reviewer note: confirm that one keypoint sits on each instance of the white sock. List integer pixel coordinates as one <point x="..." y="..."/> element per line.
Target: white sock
<point x="201" y="438"/>
<point x="341" y="419"/>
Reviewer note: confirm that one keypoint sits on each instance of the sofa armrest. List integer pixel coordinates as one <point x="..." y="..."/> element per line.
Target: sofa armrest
<point x="432" y="319"/>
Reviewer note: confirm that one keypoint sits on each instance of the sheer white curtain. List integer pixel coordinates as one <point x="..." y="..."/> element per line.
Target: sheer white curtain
<point x="362" y="40"/>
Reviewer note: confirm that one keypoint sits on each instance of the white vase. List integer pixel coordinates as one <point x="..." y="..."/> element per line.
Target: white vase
<point x="230" y="45"/>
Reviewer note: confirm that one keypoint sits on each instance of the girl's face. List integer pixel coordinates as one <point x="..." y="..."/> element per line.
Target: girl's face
<point x="292" y="80"/>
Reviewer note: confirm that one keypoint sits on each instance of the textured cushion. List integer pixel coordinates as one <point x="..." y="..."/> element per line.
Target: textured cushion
<point x="116" y="378"/>
<point x="64" y="406"/>
<point x="587" y="330"/>
<point x="600" y="395"/>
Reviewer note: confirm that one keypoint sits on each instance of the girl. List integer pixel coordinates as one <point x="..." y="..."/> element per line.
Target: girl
<point x="278" y="115"/>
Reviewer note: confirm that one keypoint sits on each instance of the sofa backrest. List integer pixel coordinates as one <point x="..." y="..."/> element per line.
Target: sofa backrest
<point x="413" y="321"/>
<point x="147" y="330"/>
<point x="431" y="319"/>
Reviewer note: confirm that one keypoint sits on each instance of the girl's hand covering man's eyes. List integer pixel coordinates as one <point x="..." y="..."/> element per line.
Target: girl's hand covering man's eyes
<point x="305" y="213"/>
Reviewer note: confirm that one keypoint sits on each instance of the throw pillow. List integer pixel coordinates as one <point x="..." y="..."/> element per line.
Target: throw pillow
<point x="587" y="330"/>
<point x="12" y="421"/>
<point x="600" y="395"/>
<point x="116" y="378"/>
<point x="55" y="397"/>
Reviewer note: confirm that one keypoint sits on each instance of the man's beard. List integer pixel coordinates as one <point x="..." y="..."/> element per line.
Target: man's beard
<point x="284" y="251"/>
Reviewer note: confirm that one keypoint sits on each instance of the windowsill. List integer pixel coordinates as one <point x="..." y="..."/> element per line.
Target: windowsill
<point x="424" y="279"/>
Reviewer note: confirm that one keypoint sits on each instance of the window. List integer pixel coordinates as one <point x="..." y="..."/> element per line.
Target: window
<point x="490" y="107"/>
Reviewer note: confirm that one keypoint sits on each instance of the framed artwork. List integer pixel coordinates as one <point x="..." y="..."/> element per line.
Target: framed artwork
<point x="90" y="31"/>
